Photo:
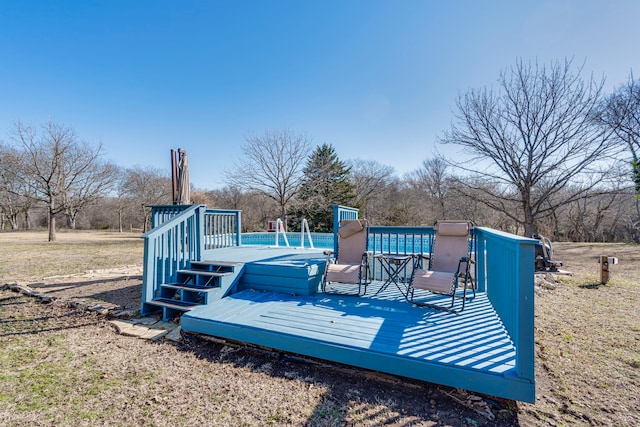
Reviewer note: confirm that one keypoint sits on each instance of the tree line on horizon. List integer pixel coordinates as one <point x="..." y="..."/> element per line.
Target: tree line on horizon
<point x="545" y="152"/>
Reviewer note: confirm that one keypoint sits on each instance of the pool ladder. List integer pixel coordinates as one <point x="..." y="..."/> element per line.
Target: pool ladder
<point x="304" y="230"/>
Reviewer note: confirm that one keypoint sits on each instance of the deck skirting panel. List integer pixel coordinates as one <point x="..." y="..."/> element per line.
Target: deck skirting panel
<point x="470" y="350"/>
<point x="290" y="276"/>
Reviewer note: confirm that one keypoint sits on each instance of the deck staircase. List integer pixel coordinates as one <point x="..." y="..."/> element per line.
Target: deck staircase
<point x="200" y="283"/>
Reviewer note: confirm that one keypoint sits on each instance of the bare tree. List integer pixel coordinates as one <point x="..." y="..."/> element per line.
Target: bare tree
<point x="120" y="197"/>
<point x="94" y="183"/>
<point x="11" y="185"/>
<point x="62" y="167"/>
<point x="391" y="206"/>
<point x="435" y="191"/>
<point x="432" y="182"/>
<point x="144" y="187"/>
<point x="531" y="138"/>
<point x="257" y="209"/>
<point x="370" y="179"/>
<point x="621" y="113"/>
<point x="16" y="188"/>
<point x="272" y="165"/>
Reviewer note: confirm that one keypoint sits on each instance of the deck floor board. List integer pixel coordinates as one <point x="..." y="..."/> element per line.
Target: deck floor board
<point x="383" y="332"/>
<point x="393" y="327"/>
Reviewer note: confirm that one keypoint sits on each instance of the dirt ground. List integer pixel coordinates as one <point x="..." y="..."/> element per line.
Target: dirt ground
<point x="587" y="364"/>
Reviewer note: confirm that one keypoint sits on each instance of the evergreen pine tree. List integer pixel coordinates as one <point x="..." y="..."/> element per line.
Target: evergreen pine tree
<point x="325" y="183"/>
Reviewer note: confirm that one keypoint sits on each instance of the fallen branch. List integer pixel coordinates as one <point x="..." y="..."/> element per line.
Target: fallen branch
<point x="474" y="402"/>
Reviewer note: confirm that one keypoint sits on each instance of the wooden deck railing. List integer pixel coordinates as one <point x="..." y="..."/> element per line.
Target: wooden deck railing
<point x="222" y="228"/>
<point x="162" y="213"/>
<point x="398" y="241"/>
<point x="181" y="235"/>
<point x="170" y="246"/>
<point x="505" y="270"/>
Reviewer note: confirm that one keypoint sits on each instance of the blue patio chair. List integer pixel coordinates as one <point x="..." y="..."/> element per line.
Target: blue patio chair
<point x="448" y="265"/>
<point x="351" y="265"/>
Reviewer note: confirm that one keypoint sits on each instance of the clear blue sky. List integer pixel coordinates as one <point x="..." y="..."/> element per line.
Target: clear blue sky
<point x="376" y="79"/>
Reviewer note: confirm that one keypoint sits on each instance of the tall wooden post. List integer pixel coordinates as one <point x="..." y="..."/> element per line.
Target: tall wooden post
<point x="174" y="177"/>
<point x="604" y="269"/>
<point x="605" y="263"/>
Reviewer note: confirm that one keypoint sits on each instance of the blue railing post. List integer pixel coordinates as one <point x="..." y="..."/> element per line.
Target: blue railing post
<point x="506" y="268"/>
<point x="480" y="261"/>
<point x="526" y="294"/>
<point x="341" y="213"/>
<point x="238" y="228"/>
<point x="199" y="230"/>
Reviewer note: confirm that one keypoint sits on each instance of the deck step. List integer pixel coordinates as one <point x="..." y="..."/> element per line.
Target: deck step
<point x="204" y="273"/>
<point x="189" y="287"/>
<point x="175" y="304"/>
<point x="217" y="263"/>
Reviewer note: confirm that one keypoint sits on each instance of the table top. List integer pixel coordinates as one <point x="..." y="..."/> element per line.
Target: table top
<point x="393" y="257"/>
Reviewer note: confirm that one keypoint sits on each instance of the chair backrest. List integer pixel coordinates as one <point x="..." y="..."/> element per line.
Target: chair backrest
<point x="352" y="241"/>
<point x="451" y="243"/>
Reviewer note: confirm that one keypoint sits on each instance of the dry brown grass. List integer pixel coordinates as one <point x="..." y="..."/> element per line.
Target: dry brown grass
<point x="27" y="256"/>
<point x="63" y="366"/>
<point x="588" y="342"/>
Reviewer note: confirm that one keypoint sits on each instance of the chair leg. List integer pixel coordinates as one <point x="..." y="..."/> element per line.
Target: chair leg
<point x="348" y="294"/>
<point x="467" y="280"/>
<point x="438" y="307"/>
<point x="453" y="300"/>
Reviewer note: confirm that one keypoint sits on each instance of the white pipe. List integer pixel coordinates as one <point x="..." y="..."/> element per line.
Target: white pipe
<point x="280" y="229"/>
<point x="305" y="226"/>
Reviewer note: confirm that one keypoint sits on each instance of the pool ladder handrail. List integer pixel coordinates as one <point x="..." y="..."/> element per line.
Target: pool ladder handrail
<point x="304" y="229"/>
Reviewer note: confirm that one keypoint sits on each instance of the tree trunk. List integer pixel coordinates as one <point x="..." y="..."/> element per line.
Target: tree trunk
<point x="144" y="220"/>
<point x="13" y="221"/>
<point x="27" y="219"/>
<point x="283" y="215"/>
<point x="52" y="223"/>
<point x="71" y="221"/>
<point x="528" y="217"/>
<point x="147" y="219"/>
<point x="528" y="225"/>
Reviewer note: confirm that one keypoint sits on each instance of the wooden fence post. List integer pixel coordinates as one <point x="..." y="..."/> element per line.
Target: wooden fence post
<point x="604" y="269"/>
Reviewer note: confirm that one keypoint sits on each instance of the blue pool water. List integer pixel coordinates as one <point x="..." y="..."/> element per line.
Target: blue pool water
<point x="378" y="243"/>
<point x="320" y="240"/>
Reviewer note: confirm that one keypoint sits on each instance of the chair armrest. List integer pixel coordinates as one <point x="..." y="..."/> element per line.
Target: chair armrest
<point x="366" y="256"/>
<point x="331" y="258"/>
<point x="418" y="258"/>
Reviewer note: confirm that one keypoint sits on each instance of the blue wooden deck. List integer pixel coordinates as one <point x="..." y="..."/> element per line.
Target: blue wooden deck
<point x="267" y="296"/>
<point x="470" y="350"/>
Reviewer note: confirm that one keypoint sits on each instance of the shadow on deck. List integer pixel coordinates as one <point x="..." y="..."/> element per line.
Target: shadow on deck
<point x="471" y="350"/>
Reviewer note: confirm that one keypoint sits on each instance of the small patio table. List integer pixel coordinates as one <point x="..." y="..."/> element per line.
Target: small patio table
<point x="393" y="265"/>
